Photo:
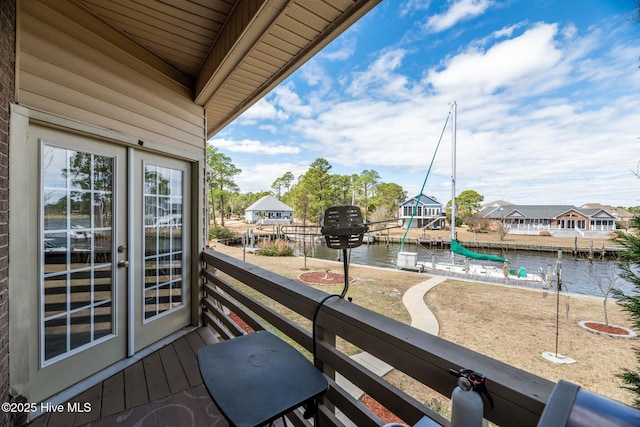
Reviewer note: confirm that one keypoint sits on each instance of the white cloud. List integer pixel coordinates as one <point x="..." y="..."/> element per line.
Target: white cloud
<point x="523" y="61"/>
<point x="345" y="49"/>
<point x="262" y="110"/>
<point x="253" y="147"/>
<point x="413" y="6"/>
<point x="290" y="102"/>
<point x="381" y="78"/>
<point x="506" y="31"/>
<point x="458" y="11"/>
<point x="257" y="177"/>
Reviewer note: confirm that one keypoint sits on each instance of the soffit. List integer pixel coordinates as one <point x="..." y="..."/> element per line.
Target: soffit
<point x="230" y="53"/>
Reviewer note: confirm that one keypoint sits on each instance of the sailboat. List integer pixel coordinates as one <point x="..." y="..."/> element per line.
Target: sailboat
<point x="409" y="260"/>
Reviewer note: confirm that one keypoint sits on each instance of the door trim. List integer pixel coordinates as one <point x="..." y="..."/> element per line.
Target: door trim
<point x="132" y="259"/>
<point x="23" y="221"/>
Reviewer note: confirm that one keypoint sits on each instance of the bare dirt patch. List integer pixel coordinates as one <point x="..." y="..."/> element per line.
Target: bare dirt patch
<point x="326" y="278"/>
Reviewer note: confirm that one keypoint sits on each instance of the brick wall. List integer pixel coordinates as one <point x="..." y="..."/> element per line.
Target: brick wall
<point x="7" y="83"/>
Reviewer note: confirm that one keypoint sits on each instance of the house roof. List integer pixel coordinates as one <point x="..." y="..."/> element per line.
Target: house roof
<point x="424" y="200"/>
<point x="616" y="212"/>
<point x="538" y="211"/>
<point x="228" y="53"/>
<point x="269" y="203"/>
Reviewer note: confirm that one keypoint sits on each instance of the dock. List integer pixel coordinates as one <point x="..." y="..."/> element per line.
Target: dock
<point x="588" y="252"/>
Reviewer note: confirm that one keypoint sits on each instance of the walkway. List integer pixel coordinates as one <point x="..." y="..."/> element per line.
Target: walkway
<point x="421" y="318"/>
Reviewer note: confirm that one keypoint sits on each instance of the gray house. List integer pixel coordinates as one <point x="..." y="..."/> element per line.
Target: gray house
<point x="428" y="212"/>
<point x="269" y="210"/>
<point x="559" y="220"/>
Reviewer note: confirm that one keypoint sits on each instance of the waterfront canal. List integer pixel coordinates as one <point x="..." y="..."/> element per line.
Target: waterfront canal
<point x="579" y="276"/>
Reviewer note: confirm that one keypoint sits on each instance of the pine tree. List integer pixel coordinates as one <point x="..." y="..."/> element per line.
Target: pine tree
<point x="629" y="265"/>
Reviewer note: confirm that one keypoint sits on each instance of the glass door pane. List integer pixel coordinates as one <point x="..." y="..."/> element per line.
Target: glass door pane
<point x="163" y="245"/>
<point x="77" y="289"/>
<point x="161" y="283"/>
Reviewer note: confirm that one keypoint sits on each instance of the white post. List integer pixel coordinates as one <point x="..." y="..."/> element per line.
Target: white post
<point x="454" y="109"/>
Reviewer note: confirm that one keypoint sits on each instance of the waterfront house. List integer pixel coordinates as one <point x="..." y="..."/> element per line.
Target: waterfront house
<point x="558" y="220"/>
<point x="268" y="211"/>
<point x="622" y="216"/>
<point x="428" y="212"/>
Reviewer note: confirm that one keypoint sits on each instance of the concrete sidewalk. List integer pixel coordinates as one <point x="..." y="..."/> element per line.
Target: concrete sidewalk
<point x="421" y="318"/>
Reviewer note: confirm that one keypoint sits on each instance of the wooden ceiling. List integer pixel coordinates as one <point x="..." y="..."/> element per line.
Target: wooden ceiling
<point x="230" y="53"/>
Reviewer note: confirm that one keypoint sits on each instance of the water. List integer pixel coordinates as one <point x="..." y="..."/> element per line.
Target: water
<point x="578" y="275"/>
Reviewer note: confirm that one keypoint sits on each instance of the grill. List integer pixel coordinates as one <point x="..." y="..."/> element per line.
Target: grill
<point x="343" y="227"/>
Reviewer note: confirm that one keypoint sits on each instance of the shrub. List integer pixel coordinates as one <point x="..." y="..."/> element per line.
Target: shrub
<point x="219" y="233"/>
<point x="275" y="250"/>
<point x="544" y="233"/>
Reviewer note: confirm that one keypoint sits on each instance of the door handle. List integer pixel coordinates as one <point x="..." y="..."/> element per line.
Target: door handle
<point x="123" y="264"/>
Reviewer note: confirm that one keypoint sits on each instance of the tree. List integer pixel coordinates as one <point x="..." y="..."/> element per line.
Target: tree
<point x="313" y="191"/>
<point x="366" y="185"/>
<point x="221" y="178"/>
<point x="343" y="189"/>
<point x="282" y="182"/>
<point x="468" y="203"/>
<point x="388" y="198"/>
<point x="287" y="180"/>
<point x="607" y="281"/>
<point x="629" y="264"/>
<point x="277" y="187"/>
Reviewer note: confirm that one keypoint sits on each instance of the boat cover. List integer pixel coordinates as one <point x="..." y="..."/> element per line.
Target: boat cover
<point x="457" y="248"/>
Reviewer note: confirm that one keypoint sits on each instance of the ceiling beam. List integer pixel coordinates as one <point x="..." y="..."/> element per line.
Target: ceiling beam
<point x="248" y="22"/>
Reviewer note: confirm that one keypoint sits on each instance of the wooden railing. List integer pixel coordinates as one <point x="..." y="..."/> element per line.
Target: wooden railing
<point x="262" y="299"/>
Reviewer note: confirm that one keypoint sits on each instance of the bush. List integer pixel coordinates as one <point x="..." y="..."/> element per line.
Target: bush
<point x="544" y="233"/>
<point x="275" y="250"/>
<point x="219" y="233"/>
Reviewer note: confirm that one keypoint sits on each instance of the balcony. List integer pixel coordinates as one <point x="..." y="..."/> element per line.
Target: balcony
<point x="162" y="384"/>
<point x="240" y="296"/>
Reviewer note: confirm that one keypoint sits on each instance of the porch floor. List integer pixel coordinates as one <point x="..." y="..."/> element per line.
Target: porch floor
<point x="164" y="388"/>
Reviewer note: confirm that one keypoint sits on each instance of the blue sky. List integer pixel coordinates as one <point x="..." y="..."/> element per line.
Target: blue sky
<point x="548" y="96"/>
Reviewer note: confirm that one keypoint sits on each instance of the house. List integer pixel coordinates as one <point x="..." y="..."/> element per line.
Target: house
<point x="622" y="215"/>
<point x="428" y="212"/>
<point x="105" y="114"/>
<point x="268" y="210"/>
<point x="558" y="220"/>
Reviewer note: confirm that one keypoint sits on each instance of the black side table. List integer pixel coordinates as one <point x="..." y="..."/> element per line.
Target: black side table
<point x="257" y="378"/>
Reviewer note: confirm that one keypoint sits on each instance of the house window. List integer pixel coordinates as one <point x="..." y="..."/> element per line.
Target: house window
<point x="163" y="244"/>
<point x="419" y="212"/>
<point x="77" y="288"/>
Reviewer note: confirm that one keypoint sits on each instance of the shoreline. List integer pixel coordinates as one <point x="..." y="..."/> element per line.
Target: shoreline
<point x="424" y="274"/>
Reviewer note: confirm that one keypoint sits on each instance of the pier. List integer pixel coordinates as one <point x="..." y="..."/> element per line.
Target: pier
<point x="589" y="252"/>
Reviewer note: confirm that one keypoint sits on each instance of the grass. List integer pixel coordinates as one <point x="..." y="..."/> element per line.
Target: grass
<point x="512" y="325"/>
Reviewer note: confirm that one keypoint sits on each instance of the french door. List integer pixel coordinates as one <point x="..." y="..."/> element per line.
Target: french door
<point x="161" y="300"/>
<point x="114" y="255"/>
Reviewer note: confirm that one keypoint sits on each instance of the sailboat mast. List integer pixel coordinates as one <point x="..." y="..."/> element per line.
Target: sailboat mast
<point x="454" y="109"/>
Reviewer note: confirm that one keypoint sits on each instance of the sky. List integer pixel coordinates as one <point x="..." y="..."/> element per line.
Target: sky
<point x="547" y="95"/>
